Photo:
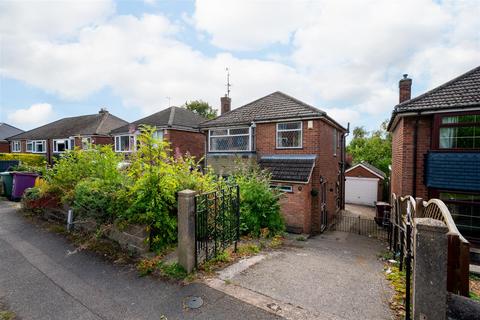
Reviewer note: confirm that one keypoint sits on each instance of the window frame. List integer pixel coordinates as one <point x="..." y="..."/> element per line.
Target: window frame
<point x="131" y="147"/>
<point x="288" y="130"/>
<point x="35" y="143"/>
<point x="15" y="144"/>
<point x="249" y="135"/>
<point x="70" y="145"/>
<point x="437" y="125"/>
<point x="282" y="188"/>
<point x="86" y="143"/>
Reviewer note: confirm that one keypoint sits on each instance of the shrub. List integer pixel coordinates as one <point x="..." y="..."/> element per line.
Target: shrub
<point x="259" y="204"/>
<point x="26" y="158"/>
<point x="74" y="166"/>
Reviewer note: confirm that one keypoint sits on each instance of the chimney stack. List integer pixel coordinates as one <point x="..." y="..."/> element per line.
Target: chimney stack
<point x="226" y="104"/>
<point x="405" y="86"/>
<point x="103" y="110"/>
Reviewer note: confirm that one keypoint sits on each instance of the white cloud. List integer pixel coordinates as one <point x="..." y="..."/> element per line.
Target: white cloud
<point x="33" y="116"/>
<point x="348" y="56"/>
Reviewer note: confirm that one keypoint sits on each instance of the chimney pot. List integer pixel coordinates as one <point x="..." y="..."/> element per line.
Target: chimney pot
<point x="103" y="110"/>
<point x="405" y="88"/>
<point x="226" y="104"/>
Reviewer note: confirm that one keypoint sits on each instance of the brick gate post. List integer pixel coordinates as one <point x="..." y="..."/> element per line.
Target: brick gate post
<point x="430" y="270"/>
<point x="186" y="229"/>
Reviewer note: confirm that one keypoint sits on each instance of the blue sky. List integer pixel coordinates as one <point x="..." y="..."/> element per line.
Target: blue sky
<point x="65" y="58"/>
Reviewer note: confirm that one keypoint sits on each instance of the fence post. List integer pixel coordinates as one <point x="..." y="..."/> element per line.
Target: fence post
<point x="430" y="270"/>
<point x="186" y="229"/>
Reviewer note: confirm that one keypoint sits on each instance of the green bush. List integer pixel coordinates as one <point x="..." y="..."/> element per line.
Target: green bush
<point x="29" y="159"/>
<point x="259" y="204"/>
<point x="100" y="162"/>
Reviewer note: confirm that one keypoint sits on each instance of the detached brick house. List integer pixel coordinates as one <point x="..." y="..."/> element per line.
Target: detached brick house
<point x="301" y="146"/>
<point x="436" y="147"/>
<point x="7" y="131"/>
<point x="55" y="138"/>
<point x="179" y="126"/>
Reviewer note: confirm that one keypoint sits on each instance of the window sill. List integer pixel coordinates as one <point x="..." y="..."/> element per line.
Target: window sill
<point x="287" y="148"/>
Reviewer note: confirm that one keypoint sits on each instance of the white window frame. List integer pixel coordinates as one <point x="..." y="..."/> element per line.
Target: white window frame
<point x="131" y="147"/>
<point x="286" y="130"/>
<point x="86" y="143"/>
<point x="283" y="188"/>
<point x="335" y="141"/>
<point x="70" y="145"/>
<point x="16" y="146"/>
<point x="29" y="143"/>
<point x="38" y="142"/>
<point x="249" y="134"/>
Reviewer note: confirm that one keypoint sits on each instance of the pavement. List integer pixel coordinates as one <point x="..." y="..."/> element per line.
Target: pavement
<point x="336" y="275"/>
<point x="42" y="276"/>
<point x="359" y="210"/>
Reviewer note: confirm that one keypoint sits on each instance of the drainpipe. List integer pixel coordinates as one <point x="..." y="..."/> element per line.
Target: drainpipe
<point x="415" y="138"/>
<point x="342" y="175"/>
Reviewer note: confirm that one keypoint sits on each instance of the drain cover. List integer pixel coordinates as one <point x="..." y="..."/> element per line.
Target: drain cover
<point x="194" y="302"/>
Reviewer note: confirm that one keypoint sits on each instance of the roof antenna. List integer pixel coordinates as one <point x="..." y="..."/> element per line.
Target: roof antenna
<point x="169" y="100"/>
<point x="228" y="85"/>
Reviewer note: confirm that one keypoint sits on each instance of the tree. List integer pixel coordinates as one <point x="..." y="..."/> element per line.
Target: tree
<point x="202" y="108"/>
<point x="373" y="147"/>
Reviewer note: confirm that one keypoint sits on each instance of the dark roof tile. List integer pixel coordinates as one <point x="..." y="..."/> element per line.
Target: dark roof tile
<point x="289" y="168"/>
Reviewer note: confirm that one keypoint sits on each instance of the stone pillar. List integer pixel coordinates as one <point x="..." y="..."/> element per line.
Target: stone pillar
<point x="430" y="270"/>
<point x="186" y="229"/>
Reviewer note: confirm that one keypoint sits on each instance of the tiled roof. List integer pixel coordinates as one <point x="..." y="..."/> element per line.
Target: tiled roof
<point x="461" y="92"/>
<point x="289" y="168"/>
<point x="171" y="117"/>
<point x="453" y="171"/>
<point x="275" y="106"/>
<point x="7" y="130"/>
<point x="101" y="123"/>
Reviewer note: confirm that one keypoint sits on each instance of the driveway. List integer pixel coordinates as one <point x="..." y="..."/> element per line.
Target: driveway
<point x="41" y="279"/>
<point x="359" y="210"/>
<point x="333" y="276"/>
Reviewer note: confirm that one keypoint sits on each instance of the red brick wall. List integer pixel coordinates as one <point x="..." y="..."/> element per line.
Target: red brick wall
<point x="319" y="141"/>
<point x="296" y="208"/>
<point x="101" y="140"/>
<point x="186" y="142"/>
<point x="364" y="173"/>
<point x="4" y="147"/>
<point x="403" y="155"/>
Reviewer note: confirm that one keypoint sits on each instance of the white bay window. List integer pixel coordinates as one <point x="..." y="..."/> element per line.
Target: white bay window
<point x="39" y="146"/>
<point x="62" y="145"/>
<point x="230" y="140"/>
<point x="125" y="143"/>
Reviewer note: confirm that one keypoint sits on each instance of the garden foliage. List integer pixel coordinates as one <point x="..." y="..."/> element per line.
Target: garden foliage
<point x="28" y="159"/>
<point x="99" y="184"/>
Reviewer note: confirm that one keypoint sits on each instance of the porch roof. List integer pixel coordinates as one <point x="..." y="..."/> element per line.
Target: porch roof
<point x="292" y="168"/>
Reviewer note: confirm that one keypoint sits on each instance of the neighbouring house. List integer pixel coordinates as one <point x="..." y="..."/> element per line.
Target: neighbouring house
<point x="301" y="145"/>
<point x="436" y="147"/>
<point x="179" y="126"/>
<point x="56" y="137"/>
<point x="364" y="184"/>
<point x="7" y="131"/>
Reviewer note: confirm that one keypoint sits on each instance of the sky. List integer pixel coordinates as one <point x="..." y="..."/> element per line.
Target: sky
<point x="66" y="58"/>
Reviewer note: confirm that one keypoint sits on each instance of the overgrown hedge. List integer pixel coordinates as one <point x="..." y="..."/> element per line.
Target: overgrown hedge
<point x="25" y="158"/>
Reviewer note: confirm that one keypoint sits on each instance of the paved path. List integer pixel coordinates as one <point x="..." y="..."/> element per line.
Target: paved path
<point x="358" y="210"/>
<point x="333" y="276"/>
<point x="39" y="280"/>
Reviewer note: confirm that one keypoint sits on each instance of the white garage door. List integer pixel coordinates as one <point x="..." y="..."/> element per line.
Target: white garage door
<point x="361" y="190"/>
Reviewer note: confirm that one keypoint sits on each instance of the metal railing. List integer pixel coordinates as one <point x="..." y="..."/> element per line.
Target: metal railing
<point x="217" y="222"/>
<point x="358" y="225"/>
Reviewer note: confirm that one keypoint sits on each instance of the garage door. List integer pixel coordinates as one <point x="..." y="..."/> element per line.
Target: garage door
<point x="361" y="190"/>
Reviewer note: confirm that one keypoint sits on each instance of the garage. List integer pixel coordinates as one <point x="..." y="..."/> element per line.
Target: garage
<point x="363" y="184"/>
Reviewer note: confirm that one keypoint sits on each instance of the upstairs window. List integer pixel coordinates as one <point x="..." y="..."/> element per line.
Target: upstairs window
<point x="16" y="146"/>
<point x="229" y="140"/>
<point x="125" y="143"/>
<point x="459" y="131"/>
<point x="289" y="135"/>
<point x="62" y="145"/>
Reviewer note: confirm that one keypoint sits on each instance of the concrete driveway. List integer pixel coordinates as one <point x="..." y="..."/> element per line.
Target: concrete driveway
<point x="41" y="278"/>
<point x="333" y="276"/>
<point x="365" y="212"/>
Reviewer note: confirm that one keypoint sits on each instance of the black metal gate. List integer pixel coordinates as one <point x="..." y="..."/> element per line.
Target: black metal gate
<point x="359" y="225"/>
<point x="217" y="222"/>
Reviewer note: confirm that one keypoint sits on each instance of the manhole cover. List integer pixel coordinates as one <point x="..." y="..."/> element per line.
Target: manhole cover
<point x="194" y="302"/>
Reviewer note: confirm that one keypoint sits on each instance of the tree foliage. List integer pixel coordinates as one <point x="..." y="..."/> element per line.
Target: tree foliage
<point x="202" y="108"/>
<point x="373" y="147"/>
